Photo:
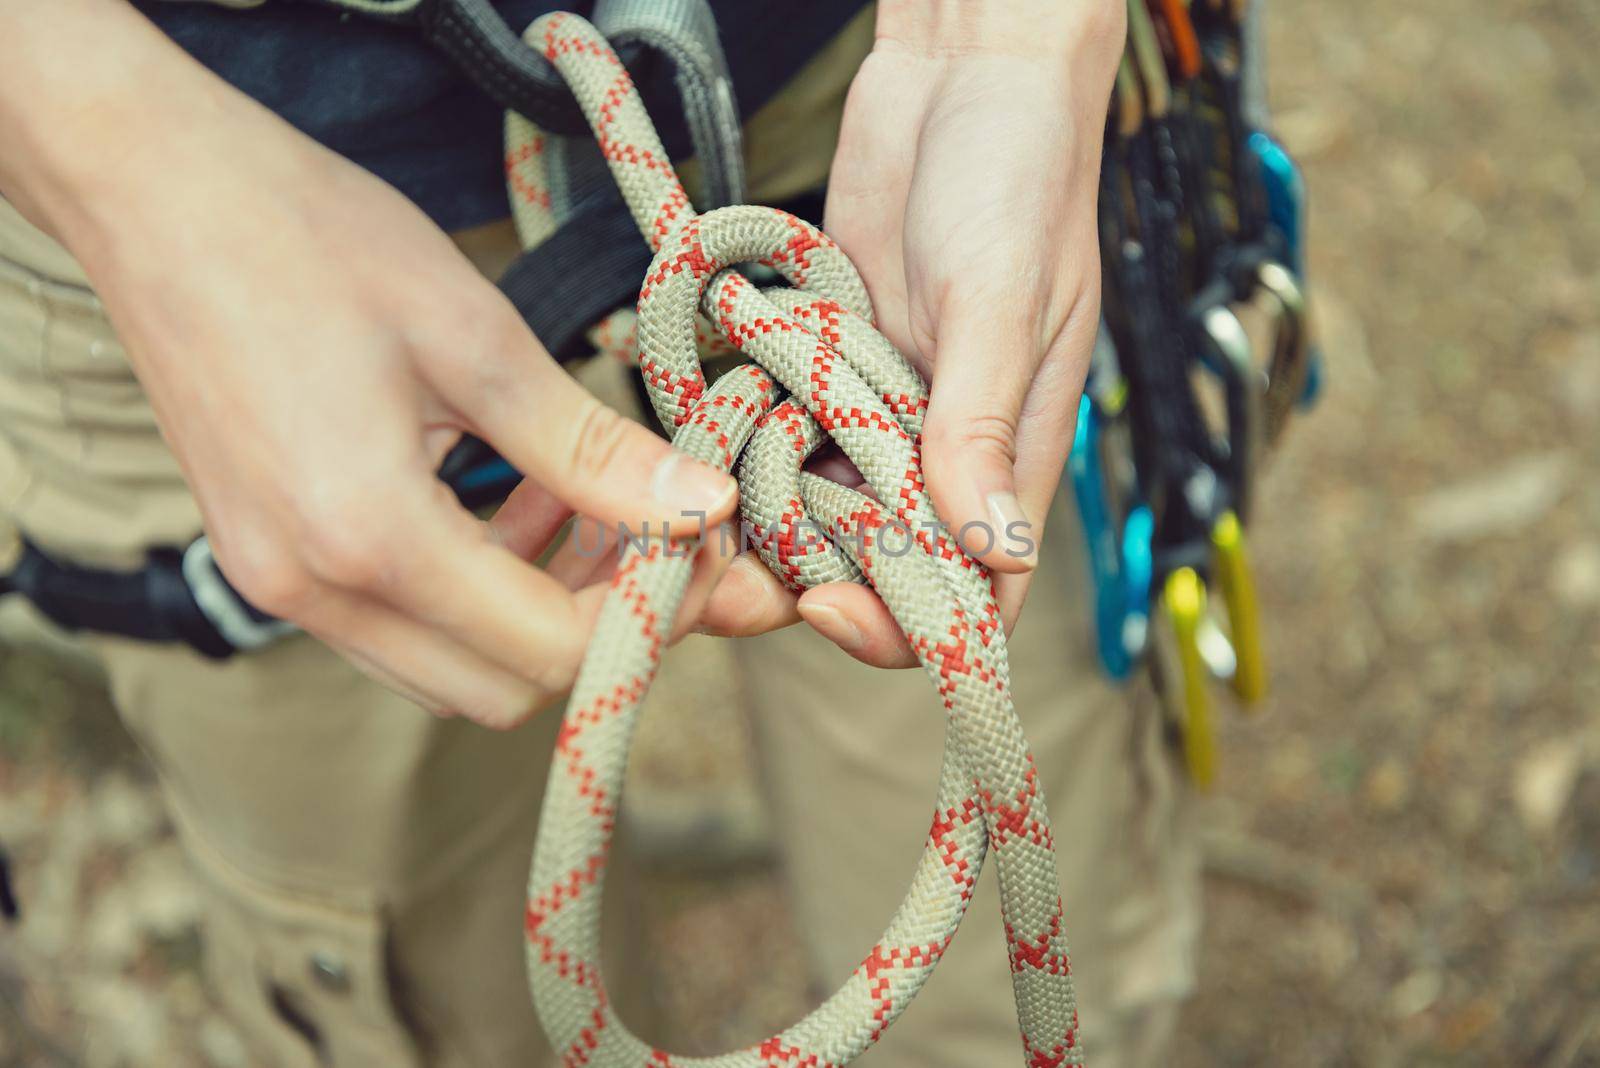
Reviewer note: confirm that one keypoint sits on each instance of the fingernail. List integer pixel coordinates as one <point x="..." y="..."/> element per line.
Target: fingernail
<point x="1013" y="533"/>
<point x="691" y="485"/>
<point x="833" y="625"/>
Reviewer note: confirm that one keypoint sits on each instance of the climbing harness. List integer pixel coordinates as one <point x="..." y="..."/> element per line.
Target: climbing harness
<point x="682" y="32"/>
<point x="844" y="381"/>
<point x="1201" y="214"/>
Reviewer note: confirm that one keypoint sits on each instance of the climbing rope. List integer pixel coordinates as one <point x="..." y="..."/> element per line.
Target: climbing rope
<point x="820" y="371"/>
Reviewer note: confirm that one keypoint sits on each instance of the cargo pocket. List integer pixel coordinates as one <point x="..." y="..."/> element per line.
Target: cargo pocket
<point x="306" y="979"/>
<point x="1154" y="925"/>
<point x="83" y="467"/>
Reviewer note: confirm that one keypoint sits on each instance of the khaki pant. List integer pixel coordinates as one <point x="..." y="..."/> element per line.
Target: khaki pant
<point x="362" y="863"/>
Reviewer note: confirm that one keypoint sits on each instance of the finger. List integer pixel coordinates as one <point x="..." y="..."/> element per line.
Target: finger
<point x="587" y="555"/>
<point x="528" y="520"/>
<point x="559" y="434"/>
<point x="1041" y="454"/>
<point x="854" y="619"/>
<point x="985" y="363"/>
<point x="749" y="601"/>
<point x="831" y="463"/>
<point x="1049" y="417"/>
<point x="710" y="567"/>
<point x="590" y="552"/>
<point x="1044" y="439"/>
<point x="437" y="672"/>
<point x="585" y="563"/>
<point x="413" y="547"/>
<point x="1011" y="593"/>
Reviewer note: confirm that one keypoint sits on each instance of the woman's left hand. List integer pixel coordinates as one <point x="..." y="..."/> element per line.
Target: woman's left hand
<point x="964" y="189"/>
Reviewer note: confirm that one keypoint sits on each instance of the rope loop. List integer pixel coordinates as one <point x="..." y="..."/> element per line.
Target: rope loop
<point x="815" y="342"/>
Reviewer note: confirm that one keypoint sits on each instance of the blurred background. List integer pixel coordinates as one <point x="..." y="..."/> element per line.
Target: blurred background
<point x="1403" y="853"/>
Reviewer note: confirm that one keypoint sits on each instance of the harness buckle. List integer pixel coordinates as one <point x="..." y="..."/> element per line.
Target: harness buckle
<point x="243" y="626"/>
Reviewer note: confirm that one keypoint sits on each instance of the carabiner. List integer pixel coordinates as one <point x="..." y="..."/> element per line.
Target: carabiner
<point x="1286" y="196"/>
<point x="1225" y="339"/>
<point x="1183" y="606"/>
<point x="1119" y="565"/>
<point x="1286" y="208"/>
<point x="1238" y="583"/>
<point x="1105" y="557"/>
<point x="1138" y="567"/>
<point x="1286" y="372"/>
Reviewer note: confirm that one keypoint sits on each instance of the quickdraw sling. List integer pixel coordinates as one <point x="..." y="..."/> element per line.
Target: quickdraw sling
<point x="1200" y="215"/>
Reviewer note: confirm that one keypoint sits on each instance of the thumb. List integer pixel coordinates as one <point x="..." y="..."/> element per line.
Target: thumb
<point x="595" y="460"/>
<point x="981" y="372"/>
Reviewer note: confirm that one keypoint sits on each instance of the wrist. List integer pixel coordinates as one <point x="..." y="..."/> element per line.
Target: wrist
<point x="94" y="147"/>
<point x="1062" y="30"/>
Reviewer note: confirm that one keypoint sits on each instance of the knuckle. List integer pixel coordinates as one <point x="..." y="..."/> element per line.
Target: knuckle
<point x="475" y="327"/>
<point x="556" y="669"/>
<point x="997" y="433"/>
<point x="268" y="577"/>
<point x="471" y="339"/>
<point x="509" y="711"/>
<point x="599" y="442"/>
<point x="985" y="432"/>
<point x="515" y="714"/>
<point x="1054" y="400"/>
<point x="552" y="677"/>
<point x="349" y="545"/>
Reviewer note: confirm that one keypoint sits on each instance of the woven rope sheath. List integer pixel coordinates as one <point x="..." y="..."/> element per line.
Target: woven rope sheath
<point x="820" y="371"/>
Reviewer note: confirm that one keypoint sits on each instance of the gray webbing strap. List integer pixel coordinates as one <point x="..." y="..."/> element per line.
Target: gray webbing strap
<point x="685" y="32"/>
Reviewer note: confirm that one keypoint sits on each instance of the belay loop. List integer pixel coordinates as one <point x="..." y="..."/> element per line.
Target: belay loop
<point x="844" y="381"/>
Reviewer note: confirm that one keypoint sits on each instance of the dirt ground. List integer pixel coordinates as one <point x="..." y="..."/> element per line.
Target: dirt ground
<point x="1403" y="855"/>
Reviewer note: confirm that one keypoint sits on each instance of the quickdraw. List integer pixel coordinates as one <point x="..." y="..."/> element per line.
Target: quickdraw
<point x="1201" y="213"/>
<point x="813" y="338"/>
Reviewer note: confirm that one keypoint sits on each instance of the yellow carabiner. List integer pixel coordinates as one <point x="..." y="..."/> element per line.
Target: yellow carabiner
<point x="1244" y="616"/>
<point x="1183" y="601"/>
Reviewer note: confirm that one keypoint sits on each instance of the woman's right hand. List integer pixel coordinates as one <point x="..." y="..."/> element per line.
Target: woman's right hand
<point x="312" y="346"/>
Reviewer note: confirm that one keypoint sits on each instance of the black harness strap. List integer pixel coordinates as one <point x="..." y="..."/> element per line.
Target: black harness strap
<point x="579" y="275"/>
<point x="152" y="604"/>
<point x="590" y="267"/>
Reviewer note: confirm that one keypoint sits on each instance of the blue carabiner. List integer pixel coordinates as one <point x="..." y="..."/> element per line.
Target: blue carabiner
<point x="1286" y="210"/>
<point x="1286" y="196"/>
<point x="1138" y="571"/>
<point x="1100" y="536"/>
